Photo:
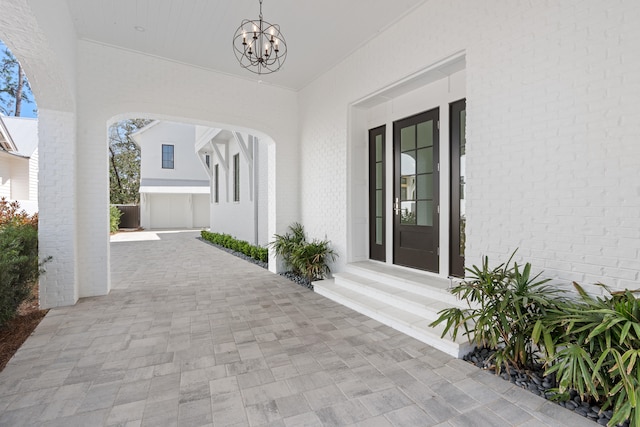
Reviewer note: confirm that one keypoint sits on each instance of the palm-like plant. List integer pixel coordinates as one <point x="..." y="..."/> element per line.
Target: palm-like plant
<point x="592" y="346"/>
<point x="285" y="245"/>
<point x="504" y="303"/>
<point x="311" y="259"/>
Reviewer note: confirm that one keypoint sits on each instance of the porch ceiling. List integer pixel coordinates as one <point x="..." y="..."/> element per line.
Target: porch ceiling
<point x="319" y="34"/>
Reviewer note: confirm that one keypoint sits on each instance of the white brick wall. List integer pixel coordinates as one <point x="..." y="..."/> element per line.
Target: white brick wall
<point x="57" y="203"/>
<point x="552" y="129"/>
<point x="40" y="34"/>
<point x="33" y="176"/>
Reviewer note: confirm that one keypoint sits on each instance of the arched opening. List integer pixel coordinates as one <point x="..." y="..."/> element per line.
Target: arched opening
<point x="18" y="134"/>
<point x="203" y="175"/>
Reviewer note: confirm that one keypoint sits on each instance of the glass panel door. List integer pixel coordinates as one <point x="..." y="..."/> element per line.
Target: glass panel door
<point x="416" y="191"/>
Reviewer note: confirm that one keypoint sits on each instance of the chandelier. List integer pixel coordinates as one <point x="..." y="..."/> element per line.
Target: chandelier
<point x="259" y="46"/>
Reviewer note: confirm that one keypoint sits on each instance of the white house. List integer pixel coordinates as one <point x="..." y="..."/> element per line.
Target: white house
<point x="236" y="163"/>
<point x="367" y="138"/>
<point x="174" y="187"/>
<point x="19" y="161"/>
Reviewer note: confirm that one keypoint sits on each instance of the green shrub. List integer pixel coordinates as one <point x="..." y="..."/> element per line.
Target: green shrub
<point x="230" y="242"/>
<point x="306" y="259"/>
<point x="19" y="267"/>
<point x="504" y="304"/>
<point x="285" y="245"/>
<point x="310" y="259"/>
<point x="593" y="346"/>
<point x="114" y="218"/>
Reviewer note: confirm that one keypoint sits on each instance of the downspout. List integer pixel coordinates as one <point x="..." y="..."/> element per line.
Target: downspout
<point x="255" y="188"/>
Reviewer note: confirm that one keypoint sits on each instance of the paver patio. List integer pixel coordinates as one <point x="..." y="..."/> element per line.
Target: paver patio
<point x="193" y="336"/>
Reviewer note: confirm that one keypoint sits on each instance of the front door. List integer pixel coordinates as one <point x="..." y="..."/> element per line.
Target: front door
<point x="416" y="198"/>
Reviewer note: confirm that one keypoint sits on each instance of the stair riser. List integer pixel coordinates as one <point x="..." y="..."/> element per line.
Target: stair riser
<point x="390" y="299"/>
<point x="424" y="290"/>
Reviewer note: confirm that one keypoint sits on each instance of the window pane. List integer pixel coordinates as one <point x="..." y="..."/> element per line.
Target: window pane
<point x="408" y="163"/>
<point x="217" y="183"/>
<point x="425" y="160"/>
<point x="408" y="187"/>
<point x="378" y="148"/>
<point x="236" y="178"/>
<point x="378" y="231"/>
<point x="425" y="134"/>
<point x="167" y="156"/>
<point x="408" y="138"/>
<point x="425" y="186"/>
<point x="425" y="213"/>
<point x="379" y="202"/>
<point x="378" y="176"/>
<point x="408" y="213"/>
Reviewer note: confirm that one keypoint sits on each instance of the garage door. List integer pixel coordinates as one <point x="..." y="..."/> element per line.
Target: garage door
<point x="169" y="211"/>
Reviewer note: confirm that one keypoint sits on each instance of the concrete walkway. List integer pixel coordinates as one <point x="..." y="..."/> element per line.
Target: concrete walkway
<point x="193" y="336"/>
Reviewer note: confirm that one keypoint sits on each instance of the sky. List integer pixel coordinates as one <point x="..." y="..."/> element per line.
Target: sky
<point x="28" y="109"/>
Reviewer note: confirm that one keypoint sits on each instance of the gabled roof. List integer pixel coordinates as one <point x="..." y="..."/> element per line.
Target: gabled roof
<point x="134" y="136"/>
<point x="19" y="135"/>
<point x="6" y="142"/>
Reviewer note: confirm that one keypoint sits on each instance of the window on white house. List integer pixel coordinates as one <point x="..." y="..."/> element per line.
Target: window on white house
<point x="167" y="156"/>
<point x="207" y="160"/>
<point x="236" y="178"/>
<point x="216" y="192"/>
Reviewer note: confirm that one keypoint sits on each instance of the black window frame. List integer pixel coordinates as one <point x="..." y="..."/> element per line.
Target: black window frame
<point x="236" y="177"/>
<point x="168" y="163"/>
<point x="216" y="172"/>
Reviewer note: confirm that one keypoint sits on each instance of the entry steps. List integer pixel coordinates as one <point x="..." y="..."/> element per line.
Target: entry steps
<point x="401" y="298"/>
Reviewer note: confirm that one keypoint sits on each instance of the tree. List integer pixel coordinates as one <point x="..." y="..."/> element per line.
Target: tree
<point x="124" y="162"/>
<point x="14" y="86"/>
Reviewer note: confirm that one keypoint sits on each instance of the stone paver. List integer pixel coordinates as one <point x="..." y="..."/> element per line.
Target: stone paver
<point x="193" y="336"/>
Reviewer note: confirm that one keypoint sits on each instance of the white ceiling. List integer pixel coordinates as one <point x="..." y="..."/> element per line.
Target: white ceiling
<point x="319" y="34"/>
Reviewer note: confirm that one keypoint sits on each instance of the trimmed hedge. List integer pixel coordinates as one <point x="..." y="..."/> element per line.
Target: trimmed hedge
<point x="226" y="241"/>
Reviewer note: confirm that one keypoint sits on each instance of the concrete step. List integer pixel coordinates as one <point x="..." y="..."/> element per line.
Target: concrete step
<point x="406" y="279"/>
<point x="409" y="323"/>
<point x="426" y="307"/>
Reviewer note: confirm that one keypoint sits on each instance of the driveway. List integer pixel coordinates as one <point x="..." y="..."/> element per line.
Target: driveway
<point x="193" y="336"/>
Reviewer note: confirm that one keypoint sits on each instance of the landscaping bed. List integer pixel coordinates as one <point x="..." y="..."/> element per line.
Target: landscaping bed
<point x="570" y="347"/>
<point x="16" y="331"/>
<point x="537" y="383"/>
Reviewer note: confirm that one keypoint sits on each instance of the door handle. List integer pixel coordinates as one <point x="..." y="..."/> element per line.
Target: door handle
<point x="396" y="206"/>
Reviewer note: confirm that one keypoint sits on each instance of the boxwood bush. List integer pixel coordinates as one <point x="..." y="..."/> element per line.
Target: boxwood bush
<point x="226" y="241"/>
